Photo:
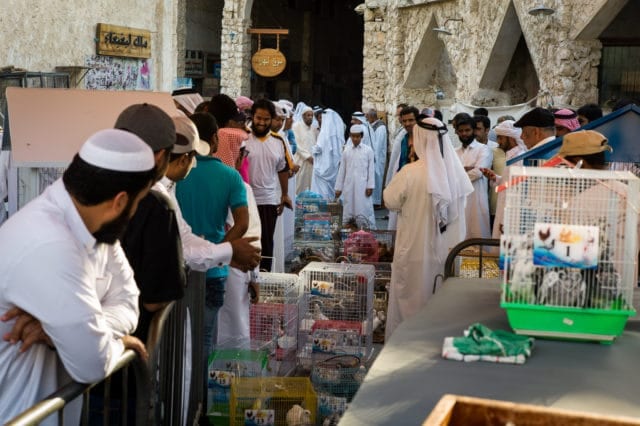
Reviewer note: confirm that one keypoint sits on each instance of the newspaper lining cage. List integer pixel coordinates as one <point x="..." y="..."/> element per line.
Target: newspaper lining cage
<point x="273" y="401"/>
<point x="569" y="252"/>
<point x="274" y="321"/>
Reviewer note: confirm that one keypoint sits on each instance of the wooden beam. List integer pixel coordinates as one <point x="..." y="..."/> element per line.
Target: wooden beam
<point x="270" y="31"/>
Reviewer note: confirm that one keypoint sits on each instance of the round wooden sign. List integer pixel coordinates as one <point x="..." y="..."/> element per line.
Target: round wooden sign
<point x="268" y="62"/>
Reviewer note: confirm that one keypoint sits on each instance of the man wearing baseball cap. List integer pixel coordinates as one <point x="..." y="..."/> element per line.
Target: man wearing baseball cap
<point x="56" y="255"/>
<point x="156" y="257"/>
<point x="538" y="127"/>
<point x="587" y="146"/>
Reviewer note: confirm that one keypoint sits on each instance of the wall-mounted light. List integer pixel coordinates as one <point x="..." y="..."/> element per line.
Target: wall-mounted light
<point x="439" y="94"/>
<point x="232" y="35"/>
<point x="541" y="10"/>
<point x="443" y="29"/>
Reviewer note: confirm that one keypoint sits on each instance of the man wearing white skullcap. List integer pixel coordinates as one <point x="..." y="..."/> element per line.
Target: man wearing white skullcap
<point x="356" y="179"/>
<point x="61" y="262"/>
<point x="306" y="136"/>
<point x="509" y="146"/>
<point x="430" y="196"/>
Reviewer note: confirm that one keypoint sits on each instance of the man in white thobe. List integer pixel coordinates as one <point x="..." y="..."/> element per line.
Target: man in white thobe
<point x="327" y="154"/>
<point x="474" y="157"/>
<point x="61" y="265"/>
<point x="306" y="135"/>
<point x="380" y="153"/>
<point x="429" y="195"/>
<point x="356" y="179"/>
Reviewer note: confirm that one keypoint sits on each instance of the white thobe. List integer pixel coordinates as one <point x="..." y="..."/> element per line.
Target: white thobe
<point x="415" y="266"/>
<point x="305" y="139"/>
<point x="233" y="316"/>
<point x="380" y="156"/>
<point x="283" y="233"/>
<point x="478" y="156"/>
<point x="392" y="169"/>
<point x="355" y="176"/>
<point x="83" y="294"/>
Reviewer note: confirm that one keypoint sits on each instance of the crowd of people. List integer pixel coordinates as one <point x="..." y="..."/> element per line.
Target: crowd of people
<point x="212" y="188"/>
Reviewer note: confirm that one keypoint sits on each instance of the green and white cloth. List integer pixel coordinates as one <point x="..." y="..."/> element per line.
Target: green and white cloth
<point x="480" y="343"/>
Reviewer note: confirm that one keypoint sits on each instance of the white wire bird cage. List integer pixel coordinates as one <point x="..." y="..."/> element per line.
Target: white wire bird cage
<point x="336" y="325"/>
<point x="274" y="320"/>
<point x="569" y="252"/>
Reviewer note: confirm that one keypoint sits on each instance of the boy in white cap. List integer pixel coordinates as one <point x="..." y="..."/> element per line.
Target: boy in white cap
<point x="356" y="179"/>
<point x="61" y="262"/>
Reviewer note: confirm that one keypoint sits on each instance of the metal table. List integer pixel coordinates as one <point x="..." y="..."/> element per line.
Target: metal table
<point x="409" y="376"/>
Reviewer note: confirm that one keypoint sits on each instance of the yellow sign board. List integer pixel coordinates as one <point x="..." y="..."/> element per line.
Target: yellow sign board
<point x="123" y="41"/>
<point x="268" y="62"/>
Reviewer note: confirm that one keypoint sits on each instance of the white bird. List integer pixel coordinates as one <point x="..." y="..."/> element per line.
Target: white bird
<point x="317" y="314"/>
<point x="298" y="416"/>
<point x="286" y="342"/>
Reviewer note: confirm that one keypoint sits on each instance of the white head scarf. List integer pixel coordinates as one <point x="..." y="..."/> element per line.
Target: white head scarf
<point x="447" y="183"/>
<point x="506" y="128"/>
<point x="301" y="108"/>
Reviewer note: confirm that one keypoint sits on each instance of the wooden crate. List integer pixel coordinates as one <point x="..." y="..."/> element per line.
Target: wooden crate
<point x="454" y="410"/>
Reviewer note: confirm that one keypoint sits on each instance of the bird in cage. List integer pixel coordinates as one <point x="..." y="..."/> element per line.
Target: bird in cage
<point x="563" y="287"/>
<point x="298" y="416"/>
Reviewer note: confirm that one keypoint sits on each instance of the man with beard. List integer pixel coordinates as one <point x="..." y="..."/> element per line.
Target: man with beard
<point x="269" y="165"/>
<point x="306" y="136"/>
<point x="401" y="151"/>
<point x="154" y="244"/>
<point x="61" y="262"/>
<point x="474" y="157"/>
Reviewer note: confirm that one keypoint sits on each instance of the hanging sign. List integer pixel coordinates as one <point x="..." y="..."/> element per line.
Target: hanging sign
<point x="127" y="42"/>
<point x="268" y="62"/>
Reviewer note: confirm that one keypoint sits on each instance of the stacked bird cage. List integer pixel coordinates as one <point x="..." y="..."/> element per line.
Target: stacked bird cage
<point x="224" y="366"/>
<point x="317" y="222"/>
<point x="372" y="246"/>
<point x="569" y="252"/>
<point x="274" y="320"/>
<point x="273" y="401"/>
<point x="336" y="329"/>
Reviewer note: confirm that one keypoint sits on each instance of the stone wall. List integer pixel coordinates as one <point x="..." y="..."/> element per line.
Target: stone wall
<point x="235" y="51"/>
<point x="38" y="36"/>
<point x="566" y="66"/>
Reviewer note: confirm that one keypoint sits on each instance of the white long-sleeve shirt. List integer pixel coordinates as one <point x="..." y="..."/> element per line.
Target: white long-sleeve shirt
<point x="477" y="156"/>
<point x="83" y="294"/>
<point x="198" y="253"/>
<point x="355" y="176"/>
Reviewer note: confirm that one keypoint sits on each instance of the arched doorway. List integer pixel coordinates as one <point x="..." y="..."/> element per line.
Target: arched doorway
<point x="323" y="50"/>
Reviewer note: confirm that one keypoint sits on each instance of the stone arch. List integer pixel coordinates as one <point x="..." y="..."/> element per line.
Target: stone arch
<point x="510" y="57"/>
<point x="599" y="20"/>
<point x="425" y="72"/>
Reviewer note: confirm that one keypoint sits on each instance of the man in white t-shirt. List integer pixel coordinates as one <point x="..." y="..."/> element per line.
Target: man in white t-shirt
<point x="60" y="261"/>
<point x="269" y="165"/>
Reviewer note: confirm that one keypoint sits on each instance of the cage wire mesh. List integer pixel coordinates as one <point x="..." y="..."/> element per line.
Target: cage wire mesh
<point x="336" y="327"/>
<point x="569" y="251"/>
<point x="224" y="366"/>
<point x="273" y="401"/>
<point x="273" y="322"/>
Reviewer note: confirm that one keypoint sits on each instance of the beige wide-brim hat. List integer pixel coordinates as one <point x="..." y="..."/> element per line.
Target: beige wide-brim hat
<point x="583" y="142"/>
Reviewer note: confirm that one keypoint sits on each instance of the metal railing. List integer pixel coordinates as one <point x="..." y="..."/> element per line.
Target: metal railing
<point x="170" y="387"/>
<point x="449" y="265"/>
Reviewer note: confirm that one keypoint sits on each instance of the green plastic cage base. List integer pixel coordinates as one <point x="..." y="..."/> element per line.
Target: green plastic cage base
<point x="566" y="323"/>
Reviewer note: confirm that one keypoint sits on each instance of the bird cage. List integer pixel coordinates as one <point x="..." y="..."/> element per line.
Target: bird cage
<point x="307" y="203"/>
<point x="569" y="252"/>
<point x="305" y="252"/>
<point x="330" y="408"/>
<point x="275" y="401"/>
<point x="224" y="366"/>
<point x="337" y="312"/>
<point x="274" y="320"/>
<point x="373" y="246"/>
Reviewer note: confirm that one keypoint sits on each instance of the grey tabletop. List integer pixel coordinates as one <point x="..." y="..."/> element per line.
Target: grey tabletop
<point x="409" y="376"/>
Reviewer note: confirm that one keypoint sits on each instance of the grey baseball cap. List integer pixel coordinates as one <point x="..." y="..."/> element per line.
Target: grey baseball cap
<point x="149" y="123"/>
